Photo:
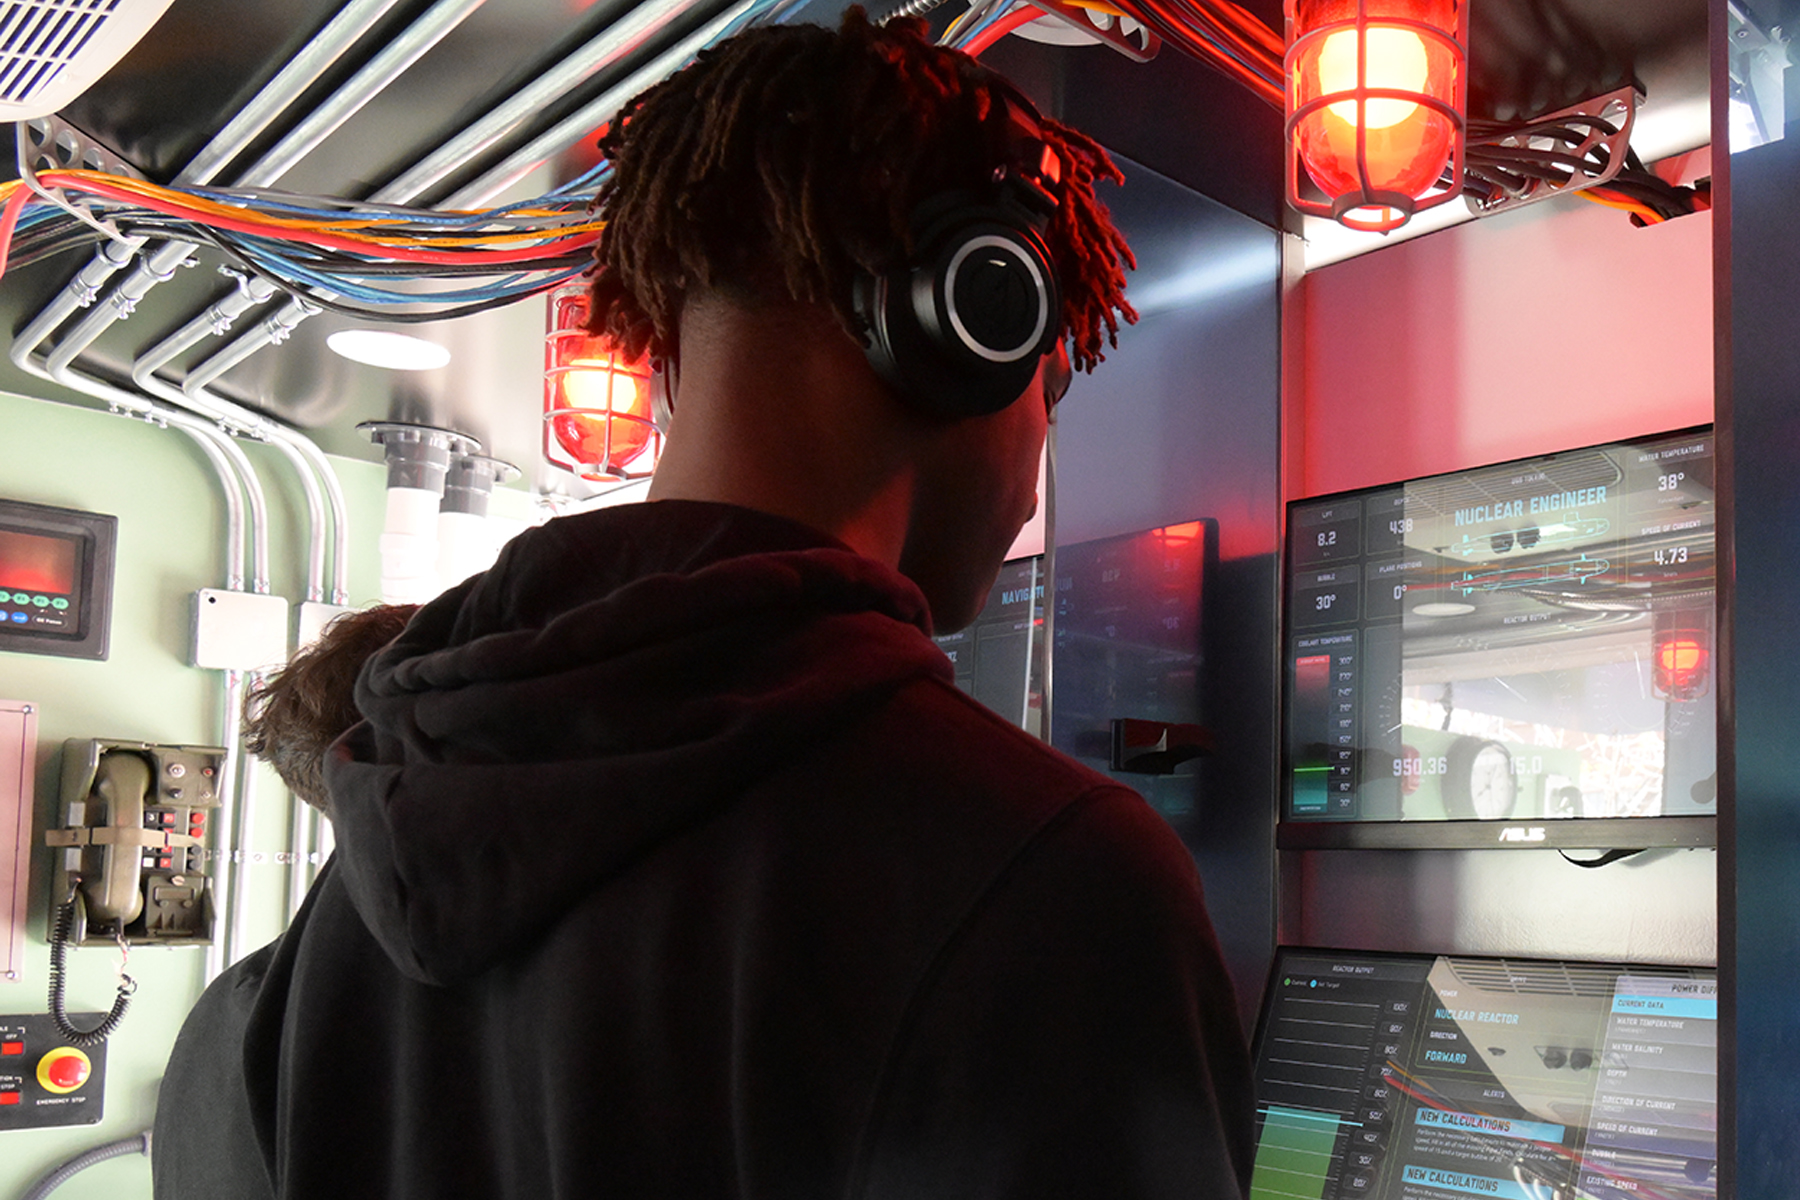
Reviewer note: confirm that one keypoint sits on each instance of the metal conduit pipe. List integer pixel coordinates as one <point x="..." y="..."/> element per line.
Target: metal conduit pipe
<point x="583" y="122"/>
<point x="228" y="459"/>
<point x="617" y="40"/>
<point x="232" y="778"/>
<point x="258" y="506"/>
<point x="316" y="500"/>
<point x="340" y="516"/>
<point x="60" y="370"/>
<point x="233" y="466"/>
<point x="489" y="130"/>
<point x="244" y="828"/>
<point x="300" y="450"/>
<point x="308" y="467"/>
<point x="158" y="268"/>
<point x="309" y="463"/>
<point x="79" y="293"/>
<point x="226" y="413"/>
<point x="382" y="70"/>
<point x="339" y="34"/>
<point x="611" y="44"/>
<point x="271" y="330"/>
<point x="315" y="504"/>
<point x="219" y="952"/>
<point x="207" y="438"/>
<point x="601" y="51"/>
<point x="216" y="320"/>
<point x="301" y="72"/>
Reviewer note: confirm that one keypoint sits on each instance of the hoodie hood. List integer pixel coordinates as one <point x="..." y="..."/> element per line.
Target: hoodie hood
<point x="615" y="679"/>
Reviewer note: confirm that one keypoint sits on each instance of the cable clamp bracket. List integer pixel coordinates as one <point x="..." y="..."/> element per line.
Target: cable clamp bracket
<point x="1608" y="119"/>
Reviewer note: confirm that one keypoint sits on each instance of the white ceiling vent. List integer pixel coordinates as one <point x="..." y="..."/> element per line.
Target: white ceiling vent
<point x="51" y="51"/>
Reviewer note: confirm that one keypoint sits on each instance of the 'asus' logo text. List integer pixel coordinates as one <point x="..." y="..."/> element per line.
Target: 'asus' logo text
<point x="1522" y="833"/>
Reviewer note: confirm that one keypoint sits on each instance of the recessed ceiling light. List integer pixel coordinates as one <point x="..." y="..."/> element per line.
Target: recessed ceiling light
<point x="1443" y="608"/>
<point x="384" y="348"/>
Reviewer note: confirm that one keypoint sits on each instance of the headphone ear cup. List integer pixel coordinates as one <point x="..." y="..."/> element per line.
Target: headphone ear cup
<point x="662" y="394"/>
<point x="960" y="330"/>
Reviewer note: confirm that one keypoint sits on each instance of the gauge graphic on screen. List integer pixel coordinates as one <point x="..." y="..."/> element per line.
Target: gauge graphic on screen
<point x="1478" y="780"/>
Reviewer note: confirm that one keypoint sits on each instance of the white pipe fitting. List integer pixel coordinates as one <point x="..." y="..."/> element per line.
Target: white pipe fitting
<point x="409" y="547"/>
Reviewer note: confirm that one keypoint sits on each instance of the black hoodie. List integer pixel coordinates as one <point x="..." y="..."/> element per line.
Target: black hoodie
<point x="671" y="863"/>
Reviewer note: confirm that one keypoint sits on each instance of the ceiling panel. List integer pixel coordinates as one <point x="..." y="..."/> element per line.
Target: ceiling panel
<point x="1181" y="119"/>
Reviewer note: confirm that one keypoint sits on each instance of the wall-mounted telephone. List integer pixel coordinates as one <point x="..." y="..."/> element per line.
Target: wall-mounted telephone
<point x="132" y="863"/>
<point x="134" y="842"/>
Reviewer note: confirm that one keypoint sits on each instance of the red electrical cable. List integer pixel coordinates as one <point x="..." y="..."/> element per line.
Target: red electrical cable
<point x="9" y="221"/>
<point x="1024" y="14"/>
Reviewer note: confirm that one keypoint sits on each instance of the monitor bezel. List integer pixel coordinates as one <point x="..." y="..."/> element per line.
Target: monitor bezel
<point x="97" y="537"/>
<point x="1696" y="830"/>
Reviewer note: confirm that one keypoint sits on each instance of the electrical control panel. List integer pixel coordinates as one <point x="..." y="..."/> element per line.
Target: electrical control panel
<point x="45" y="1081"/>
<point x="135" y="845"/>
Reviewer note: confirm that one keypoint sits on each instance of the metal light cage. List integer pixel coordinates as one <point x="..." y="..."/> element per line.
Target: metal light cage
<point x="1375" y="176"/>
<point x="614" y="440"/>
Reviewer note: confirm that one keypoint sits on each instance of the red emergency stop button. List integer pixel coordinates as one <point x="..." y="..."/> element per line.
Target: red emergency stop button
<point x="63" y="1070"/>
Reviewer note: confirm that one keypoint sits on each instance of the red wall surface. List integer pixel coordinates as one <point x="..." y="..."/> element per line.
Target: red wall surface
<point x="1558" y="325"/>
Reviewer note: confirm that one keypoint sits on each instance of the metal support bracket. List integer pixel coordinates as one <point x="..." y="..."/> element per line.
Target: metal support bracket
<point x="1617" y="109"/>
<point x="1122" y="33"/>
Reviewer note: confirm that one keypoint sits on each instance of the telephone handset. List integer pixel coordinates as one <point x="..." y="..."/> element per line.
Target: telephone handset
<point x="121" y="784"/>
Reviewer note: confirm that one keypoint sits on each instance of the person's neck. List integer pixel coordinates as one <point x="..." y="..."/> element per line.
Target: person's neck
<point x="776" y="409"/>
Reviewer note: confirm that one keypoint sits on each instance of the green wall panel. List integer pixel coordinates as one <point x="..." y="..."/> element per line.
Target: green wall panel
<point x="171" y="542"/>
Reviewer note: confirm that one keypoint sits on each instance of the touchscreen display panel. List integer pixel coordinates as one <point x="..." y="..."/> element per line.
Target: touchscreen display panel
<point x="38" y="563"/>
<point x="1531" y="641"/>
<point x="40" y="576"/>
<point x="1422" y="1077"/>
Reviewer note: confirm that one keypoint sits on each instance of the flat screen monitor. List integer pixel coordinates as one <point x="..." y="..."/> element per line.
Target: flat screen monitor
<point x="1516" y="655"/>
<point x="999" y="658"/>
<point x="56" y="575"/>
<point x="1128" y="637"/>
<point x="1125" y="641"/>
<point x="1438" y="1077"/>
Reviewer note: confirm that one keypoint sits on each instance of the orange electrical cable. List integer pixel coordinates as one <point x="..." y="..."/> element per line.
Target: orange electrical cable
<point x="1596" y="195"/>
<point x="337" y="236"/>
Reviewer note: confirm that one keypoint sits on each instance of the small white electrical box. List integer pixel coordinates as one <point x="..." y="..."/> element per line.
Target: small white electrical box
<point x="311" y="619"/>
<point x="239" y="631"/>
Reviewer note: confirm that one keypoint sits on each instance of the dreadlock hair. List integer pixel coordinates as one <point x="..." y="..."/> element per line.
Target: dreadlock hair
<point x="792" y="157"/>
<point x="292" y="715"/>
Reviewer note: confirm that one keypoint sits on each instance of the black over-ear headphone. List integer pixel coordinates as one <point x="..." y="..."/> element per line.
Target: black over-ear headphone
<point x="959" y="329"/>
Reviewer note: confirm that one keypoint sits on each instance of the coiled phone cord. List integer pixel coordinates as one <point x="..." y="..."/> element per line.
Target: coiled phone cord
<point x="59" y="946"/>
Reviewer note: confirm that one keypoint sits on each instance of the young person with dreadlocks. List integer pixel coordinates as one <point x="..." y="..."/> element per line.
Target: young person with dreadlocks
<point x="670" y="860"/>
